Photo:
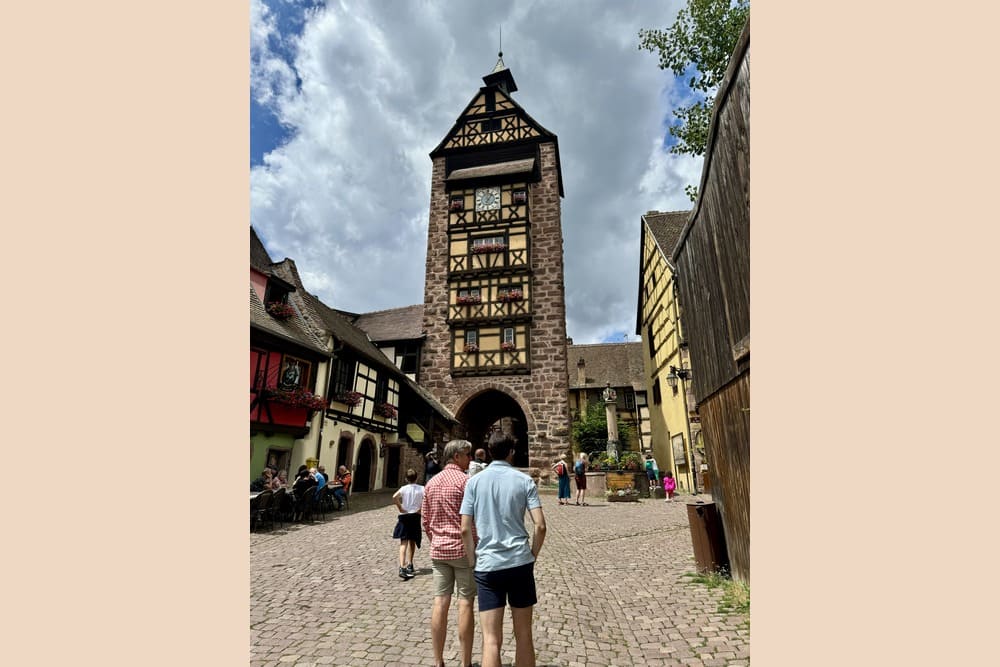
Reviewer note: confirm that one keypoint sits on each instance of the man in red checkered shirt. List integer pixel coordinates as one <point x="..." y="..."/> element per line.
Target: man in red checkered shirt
<point x="442" y="523"/>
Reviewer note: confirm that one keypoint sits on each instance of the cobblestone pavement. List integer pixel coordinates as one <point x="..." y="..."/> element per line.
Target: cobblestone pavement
<point x="614" y="588"/>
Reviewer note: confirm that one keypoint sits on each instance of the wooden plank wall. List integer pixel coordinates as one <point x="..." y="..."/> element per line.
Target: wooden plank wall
<point x="725" y="426"/>
<point x="713" y="260"/>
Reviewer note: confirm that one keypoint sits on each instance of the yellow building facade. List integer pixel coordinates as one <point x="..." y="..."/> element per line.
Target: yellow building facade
<point x="665" y="357"/>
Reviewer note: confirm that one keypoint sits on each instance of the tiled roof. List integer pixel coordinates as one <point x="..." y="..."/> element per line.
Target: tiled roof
<point x="666" y="228"/>
<point x="617" y="363"/>
<point x="406" y="323"/>
<point x="259" y="259"/>
<point x="293" y="329"/>
<point x="349" y="334"/>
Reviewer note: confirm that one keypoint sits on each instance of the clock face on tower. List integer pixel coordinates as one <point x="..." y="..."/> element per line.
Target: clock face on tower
<point x="488" y="199"/>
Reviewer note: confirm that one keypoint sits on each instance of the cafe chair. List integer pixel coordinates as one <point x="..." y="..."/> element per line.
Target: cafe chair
<point x="305" y="501"/>
<point x="279" y="505"/>
<point x="261" y="513"/>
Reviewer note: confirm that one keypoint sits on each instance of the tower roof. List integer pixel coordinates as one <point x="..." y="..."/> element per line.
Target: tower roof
<point x="501" y="77"/>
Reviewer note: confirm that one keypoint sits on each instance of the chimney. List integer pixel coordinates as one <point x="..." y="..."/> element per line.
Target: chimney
<point x="581" y="372"/>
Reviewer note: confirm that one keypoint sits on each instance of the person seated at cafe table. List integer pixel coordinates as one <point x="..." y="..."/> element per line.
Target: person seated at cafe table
<point x="263" y="482"/>
<point x="344" y="479"/>
<point x="320" y="481"/>
<point x="276" y="482"/>
<point x="303" y="480"/>
<point x="281" y="480"/>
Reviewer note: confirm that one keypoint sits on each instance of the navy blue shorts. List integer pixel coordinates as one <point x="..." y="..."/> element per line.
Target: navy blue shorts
<point x="516" y="584"/>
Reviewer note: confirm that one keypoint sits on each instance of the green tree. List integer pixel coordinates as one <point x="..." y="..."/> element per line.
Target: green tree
<point x="590" y="430"/>
<point x="701" y="40"/>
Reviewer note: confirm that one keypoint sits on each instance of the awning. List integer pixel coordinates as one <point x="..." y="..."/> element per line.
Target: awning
<point x="525" y="166"/>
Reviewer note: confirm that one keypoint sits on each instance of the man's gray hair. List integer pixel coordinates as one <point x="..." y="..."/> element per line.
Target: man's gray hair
<point x="454" y="447"/>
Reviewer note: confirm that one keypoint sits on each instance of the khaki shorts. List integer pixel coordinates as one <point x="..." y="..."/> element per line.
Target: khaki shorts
<point x="449" y="573"/>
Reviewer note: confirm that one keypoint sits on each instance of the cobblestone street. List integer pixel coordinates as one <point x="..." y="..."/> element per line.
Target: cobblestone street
<point x="614" y="588"/>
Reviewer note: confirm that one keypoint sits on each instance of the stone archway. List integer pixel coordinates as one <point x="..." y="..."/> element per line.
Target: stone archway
<point x="492" y="410"/>
<point x="364" y="472"/>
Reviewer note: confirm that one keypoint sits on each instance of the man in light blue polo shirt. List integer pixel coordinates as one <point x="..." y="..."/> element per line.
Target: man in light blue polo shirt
<point x="496" y="500"/>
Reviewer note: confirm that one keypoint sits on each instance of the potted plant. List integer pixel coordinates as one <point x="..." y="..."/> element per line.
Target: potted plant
<point x="629" y="461"/>
<point x="387" y="410"/>
<point x="350" y="398"/>
<point x="280" y="310"/>
<point x="508" y="346"/>
<point x="468" y="300"/>
<point x="471" y="347"/>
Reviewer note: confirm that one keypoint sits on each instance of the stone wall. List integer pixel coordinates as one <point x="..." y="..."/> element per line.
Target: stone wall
<point x="543" y="394"/>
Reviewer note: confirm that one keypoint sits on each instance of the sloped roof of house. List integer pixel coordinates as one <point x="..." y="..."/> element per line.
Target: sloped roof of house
<point x="294" y="329"/>
<point x="617" y="363"/>
<point x="259" y="259"/>
<point x="666" y="228"/>
<point x="406" y="323"/>
<point x="349" y="334"/>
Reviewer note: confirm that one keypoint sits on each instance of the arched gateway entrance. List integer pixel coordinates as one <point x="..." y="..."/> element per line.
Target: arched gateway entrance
<point x="494" y="410"/>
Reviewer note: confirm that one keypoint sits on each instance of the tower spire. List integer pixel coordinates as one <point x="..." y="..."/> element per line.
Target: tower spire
<point x="500" y="66"/>
<point x="501" y="76"/>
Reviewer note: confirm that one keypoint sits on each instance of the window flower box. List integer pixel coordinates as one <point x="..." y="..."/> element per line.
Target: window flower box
<point x="457" y="204"/>
<point x="296" y="398"/>
<point x="512" y="295"/>
<point x="468" y="300"/>
<point x="486" y="248"/>
<point x="471" y="347"/>
<point x="508" y="347"/>
<point x="350" y="398"/>
<point x="280" y="310"/>
<point x="387" y="410"/>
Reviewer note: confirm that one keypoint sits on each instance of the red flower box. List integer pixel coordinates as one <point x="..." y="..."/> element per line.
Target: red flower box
<point x="512" y="295"/>
<point x="280" y="310"/>
<point x="387" y="410"/>
<point x="508" y="347"/>
<point x="468" y="300"/>
<point x="296" y="398"/>
<point x="472" y="348"/>
<point x="350" y="398"/>
<point x="488" y="248"/>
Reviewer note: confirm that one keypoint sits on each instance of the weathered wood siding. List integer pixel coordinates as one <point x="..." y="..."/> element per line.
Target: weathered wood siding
<point x="713" y="262"/>
<point x="725" y="427"/>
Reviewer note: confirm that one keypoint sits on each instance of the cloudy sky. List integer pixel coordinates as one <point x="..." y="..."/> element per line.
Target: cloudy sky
<point x="348" y="98"/>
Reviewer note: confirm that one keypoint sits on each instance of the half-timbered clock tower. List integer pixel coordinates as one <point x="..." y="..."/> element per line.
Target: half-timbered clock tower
<point x="494" y="303"/>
